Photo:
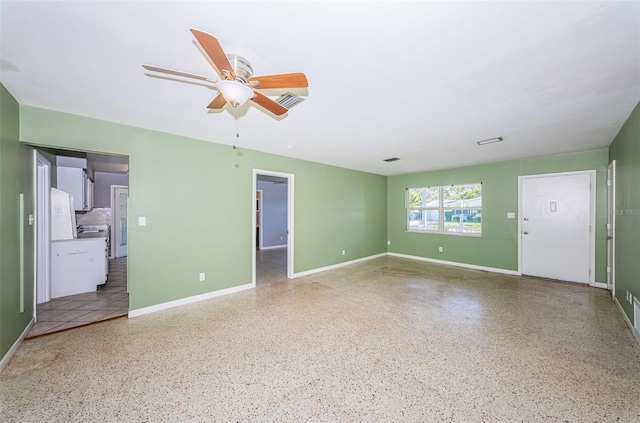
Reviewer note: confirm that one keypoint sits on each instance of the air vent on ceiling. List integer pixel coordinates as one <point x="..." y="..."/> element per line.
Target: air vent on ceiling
<point x="392" y="159"/>
<point x="289" y="100"/>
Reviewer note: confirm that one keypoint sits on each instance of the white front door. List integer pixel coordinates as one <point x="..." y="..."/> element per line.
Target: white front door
<point x="121" y="199"/>
<point x="556" y="220"/>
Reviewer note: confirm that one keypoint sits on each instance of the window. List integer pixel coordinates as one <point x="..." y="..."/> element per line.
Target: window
<point x="451" y="209"/>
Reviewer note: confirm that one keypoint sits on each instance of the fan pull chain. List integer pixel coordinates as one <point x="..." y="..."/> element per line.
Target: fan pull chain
<point x="237" y="130"/>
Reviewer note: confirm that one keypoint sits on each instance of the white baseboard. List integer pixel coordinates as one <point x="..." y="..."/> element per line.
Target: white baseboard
<point x="14" y="347"/>
<point x="336" y="266"/>
<point x="455" y="263"/>
<point x="273" y="247"/>
<point x="626" y="319"/>
<point x="188" y="300"/>
<point x="602" y="285"/>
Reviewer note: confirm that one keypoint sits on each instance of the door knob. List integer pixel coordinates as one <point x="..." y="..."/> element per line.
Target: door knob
<point x="609" y="238"/>
<point x="526" y="219"/>
<point x="526" y="233"/>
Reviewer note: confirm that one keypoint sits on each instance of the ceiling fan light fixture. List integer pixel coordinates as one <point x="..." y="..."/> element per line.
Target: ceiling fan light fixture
<point x="234" y="92"/>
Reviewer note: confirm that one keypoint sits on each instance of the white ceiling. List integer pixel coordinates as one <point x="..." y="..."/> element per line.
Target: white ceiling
<point x="422" y="81"/>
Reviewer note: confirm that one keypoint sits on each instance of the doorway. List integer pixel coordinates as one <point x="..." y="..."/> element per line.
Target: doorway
<point x="103" y="301"/>
<point x="272" y="223"/>
<point x="611" y="228"/>
<point x="557" y="215"/>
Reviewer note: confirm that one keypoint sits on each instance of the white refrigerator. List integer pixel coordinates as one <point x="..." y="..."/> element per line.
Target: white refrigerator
<point x="77" y="265"/>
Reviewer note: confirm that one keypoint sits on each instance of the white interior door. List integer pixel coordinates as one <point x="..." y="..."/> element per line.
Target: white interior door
<point x="556" y="223"/>
<point x="119" y="209"/>
<point x="611" y="227"/>
<point x="43" y="231"/>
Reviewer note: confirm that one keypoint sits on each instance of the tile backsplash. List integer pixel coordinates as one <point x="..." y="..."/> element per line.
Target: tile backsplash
<point x="95" y="216"/>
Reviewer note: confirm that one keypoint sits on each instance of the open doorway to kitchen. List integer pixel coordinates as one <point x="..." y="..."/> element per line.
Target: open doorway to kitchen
<point x="272" y="251"/>
<point x="76" y="281"/>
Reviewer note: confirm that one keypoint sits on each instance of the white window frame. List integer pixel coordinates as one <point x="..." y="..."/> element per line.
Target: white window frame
<point x="441" y="209"/>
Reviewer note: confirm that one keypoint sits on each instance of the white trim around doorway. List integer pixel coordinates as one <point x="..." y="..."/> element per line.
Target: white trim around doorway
<point x="42" y="232"/>
<point x="259" y="220"/>
<point x="611" y="220"/>
<point x="290" y="219"/>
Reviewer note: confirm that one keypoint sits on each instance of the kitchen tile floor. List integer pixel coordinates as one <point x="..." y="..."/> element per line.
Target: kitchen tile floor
<point x="108" y="302"/>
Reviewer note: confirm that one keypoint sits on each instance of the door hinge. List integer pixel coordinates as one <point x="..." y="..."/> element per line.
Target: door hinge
<point x="608" y="269"/>
<point x="608" y="225"/>
<point x="608" y="182"/>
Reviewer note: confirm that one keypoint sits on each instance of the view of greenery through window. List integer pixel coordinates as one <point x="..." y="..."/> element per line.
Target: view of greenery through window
<point x="445" y="209"/>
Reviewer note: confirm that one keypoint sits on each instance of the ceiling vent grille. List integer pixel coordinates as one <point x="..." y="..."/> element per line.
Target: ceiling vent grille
<point x="289" y="100"/>
<point x="392" y="159"/>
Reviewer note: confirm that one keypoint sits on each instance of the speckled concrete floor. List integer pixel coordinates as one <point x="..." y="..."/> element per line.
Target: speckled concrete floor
<point x="384" y="340"/>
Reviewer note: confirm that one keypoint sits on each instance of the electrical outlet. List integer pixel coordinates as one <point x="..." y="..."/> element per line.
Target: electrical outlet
<point x="388" y="242"/>
<point x="201" y="277"/>
<point x="344" y="252"/>
<point x="440" y="249"/>
<point x="281" y="238"/>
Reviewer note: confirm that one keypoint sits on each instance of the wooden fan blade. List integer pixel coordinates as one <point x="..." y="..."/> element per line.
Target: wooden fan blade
<point x="212" y="47"/>
<point x="285" y="80"/>
<point x="269" y="104"/>
<point x="179" y="73"/>
<point x="217" y="103"/>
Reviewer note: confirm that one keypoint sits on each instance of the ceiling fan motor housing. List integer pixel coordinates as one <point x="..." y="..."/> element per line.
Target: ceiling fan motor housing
<point x="241" y="67"/>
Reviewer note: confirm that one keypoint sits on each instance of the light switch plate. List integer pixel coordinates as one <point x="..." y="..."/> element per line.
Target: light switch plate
<point x="511" y="215"/>
<point x="142" y="221"/>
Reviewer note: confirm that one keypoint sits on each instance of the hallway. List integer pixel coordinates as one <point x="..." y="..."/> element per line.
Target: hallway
<point x="271" y="266"/>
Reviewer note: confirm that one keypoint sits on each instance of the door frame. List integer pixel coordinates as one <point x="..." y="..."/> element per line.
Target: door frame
<point x="112" y="235"/>
<point x="42" y="232"/>
<point x="611" y="227"/>
<point x="259" y="220"/>
<point x="592" y="216"/>
<point x="290" y="219"/>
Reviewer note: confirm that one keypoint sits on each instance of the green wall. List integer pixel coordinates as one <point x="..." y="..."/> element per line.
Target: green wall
<point x="198" y="201"/>
<point x="625" y="150"/>
<point x="498" y="246"/>
<point x="15" y="178"/>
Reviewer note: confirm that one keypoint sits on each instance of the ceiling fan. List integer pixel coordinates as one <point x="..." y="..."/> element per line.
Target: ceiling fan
<point x="237" y="85"/>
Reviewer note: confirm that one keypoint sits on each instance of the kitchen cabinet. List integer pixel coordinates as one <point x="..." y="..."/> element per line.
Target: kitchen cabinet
<point x="89" y="194"/>
<point x="76" y="182"/>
